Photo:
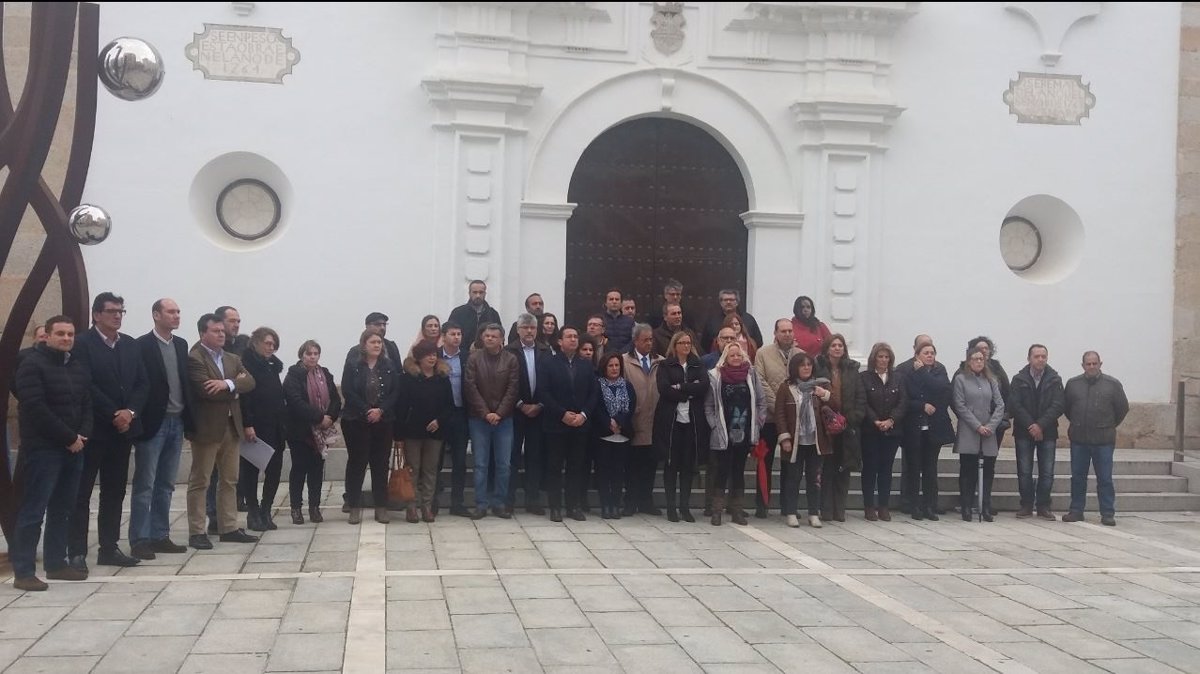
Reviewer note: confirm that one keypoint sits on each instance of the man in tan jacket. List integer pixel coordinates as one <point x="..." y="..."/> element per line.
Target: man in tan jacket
<point x="217" y="378"/>
<point x="771" y="364"/>
<point x="641" y="365"/>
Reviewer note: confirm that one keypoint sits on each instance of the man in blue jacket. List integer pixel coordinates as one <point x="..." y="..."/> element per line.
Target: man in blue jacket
<point x="119" y="390"/>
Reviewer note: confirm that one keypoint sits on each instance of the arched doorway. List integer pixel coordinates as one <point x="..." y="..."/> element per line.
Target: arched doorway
<point x="657" y="199"/>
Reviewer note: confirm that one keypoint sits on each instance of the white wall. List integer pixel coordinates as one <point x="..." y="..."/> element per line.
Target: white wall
<point x="353" y="131"/>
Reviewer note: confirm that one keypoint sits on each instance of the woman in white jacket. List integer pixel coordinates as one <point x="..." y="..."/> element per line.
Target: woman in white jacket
<point x="736" y="409"/>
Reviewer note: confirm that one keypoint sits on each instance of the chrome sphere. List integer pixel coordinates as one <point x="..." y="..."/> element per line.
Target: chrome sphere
<point x="89" y="224"/>
<point x="130" y="68"/>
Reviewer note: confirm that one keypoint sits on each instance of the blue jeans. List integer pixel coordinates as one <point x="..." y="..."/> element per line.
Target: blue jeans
<point x="1045" y="465"/>
<point x="1100" y="457"/>
<point x="490" y="443"/>
<point x="156" y="461"/>
<point x="50" y="478"/>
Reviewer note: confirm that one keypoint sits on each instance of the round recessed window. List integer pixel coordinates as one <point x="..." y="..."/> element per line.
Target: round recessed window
<point x="1020" y="243"/>
<point x="248" y="209"/>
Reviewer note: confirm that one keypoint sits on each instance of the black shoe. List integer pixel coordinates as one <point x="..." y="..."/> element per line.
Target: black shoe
<point x="931" y="515"/>
<point x="502" y="513"/>
<point x="78" y="562"/>
<point x="297" y="515"/>
<point x="314" y="514"/>
<point x="115" y="557"/>
<point x="433" y="508"/>
<point x="760" y="513"/>
<point x="143" y="550"/>
<point x="535" y="510"/>
<point x="66" y="573"/>
<point x="577" y="515"/>
<point x="200" y="542"/>
<point x="267" y="519"/>
<point x="254" y="521"/>
<point x="966" y="515"/>
<point x="906" y="509"/>
<point x="988" y="517"/>
<point x="629" y="511"/>
<point x="555" y="515"/>
<point x="479" y="514"/>
<point x="460" y="511"/>
<point x="1108" y="520"/>
<point x="212" y="527"/>
<point x="650" y="510"/>
<point x="167" y="546"/>
<point x="238" y="536"/>
<point x="918" y="515"/>
<point x="672" y="515"/>
<point x="587" y="509"/>
<point x="740" y="519"/>
<point x="241" y="506"/>
<point x="686" y="515"/>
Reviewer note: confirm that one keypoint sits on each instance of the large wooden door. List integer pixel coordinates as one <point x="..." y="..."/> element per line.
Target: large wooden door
<point x="657" y="199"/>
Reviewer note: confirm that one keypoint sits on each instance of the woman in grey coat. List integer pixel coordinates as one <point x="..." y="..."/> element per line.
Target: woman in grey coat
<point x="979" y="406"/>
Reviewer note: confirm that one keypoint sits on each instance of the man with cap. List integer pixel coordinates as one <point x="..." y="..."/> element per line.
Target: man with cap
<point x="377" y="322"/>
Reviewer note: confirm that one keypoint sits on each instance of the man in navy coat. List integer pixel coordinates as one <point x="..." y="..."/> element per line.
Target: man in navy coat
<point x="119" y="390"/>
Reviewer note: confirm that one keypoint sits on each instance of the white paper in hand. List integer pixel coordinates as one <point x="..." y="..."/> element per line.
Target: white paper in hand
<point x="258" y="453"/>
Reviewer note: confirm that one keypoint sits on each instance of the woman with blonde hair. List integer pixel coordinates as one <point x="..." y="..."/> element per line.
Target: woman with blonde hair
<point x="680" y="426"/>
<point x="736" y="409"/>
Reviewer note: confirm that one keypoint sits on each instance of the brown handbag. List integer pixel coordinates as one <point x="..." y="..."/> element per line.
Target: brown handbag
<point x="400" y="480"/>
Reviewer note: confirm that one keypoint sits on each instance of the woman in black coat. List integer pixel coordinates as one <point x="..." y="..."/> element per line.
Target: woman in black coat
<point x="680" y="427"/>
<point x="926" y="427"/>
<point x="881" y="429"/>
<point x="618" y="402"/>
<point x="426" y="403"/>
<point x="370" y="384"/>
<point x="264" y="415"/>
<point x="313" y="406"/>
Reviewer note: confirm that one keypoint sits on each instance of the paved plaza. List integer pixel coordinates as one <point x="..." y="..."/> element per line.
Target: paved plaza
<point x="637" y="595"/>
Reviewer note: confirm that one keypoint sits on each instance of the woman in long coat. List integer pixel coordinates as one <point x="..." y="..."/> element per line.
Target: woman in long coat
<point x="680" y="427"/>
<point x="979" y="406"/>
<point x="849" y="399"/>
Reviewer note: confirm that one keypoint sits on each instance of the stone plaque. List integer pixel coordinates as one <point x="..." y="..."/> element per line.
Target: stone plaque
<point x="242" y="53"/>
<point x="1038" y="98"/>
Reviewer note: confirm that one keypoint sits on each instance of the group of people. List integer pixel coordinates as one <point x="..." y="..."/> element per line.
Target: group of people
<point x="551" y="409"/>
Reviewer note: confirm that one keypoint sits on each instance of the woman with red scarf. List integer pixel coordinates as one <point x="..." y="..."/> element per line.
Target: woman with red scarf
<point x="736" y="409"/>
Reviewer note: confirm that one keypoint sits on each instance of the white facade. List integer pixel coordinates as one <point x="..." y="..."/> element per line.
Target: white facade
<point x="417" y="146"/>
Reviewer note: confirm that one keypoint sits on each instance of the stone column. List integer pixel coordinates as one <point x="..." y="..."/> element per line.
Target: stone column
<point x="1187" y="226"/>
<point x="772" y="261"/>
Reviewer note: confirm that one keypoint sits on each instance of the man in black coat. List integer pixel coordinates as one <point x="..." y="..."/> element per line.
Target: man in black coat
<point x="569" y="391"/>
<point x="455" y="355"/>
<point x="729" y="300"/>
<point x="907" y="497"/>
<point x="534" y="306"/>
<point x="119" y="390"/>
<point x="474" y="313"/>
<point x="528" y="438"/>
<point x="55" y="414"/>
<point x="165" y="419"/>
<point x="39" y="337"/>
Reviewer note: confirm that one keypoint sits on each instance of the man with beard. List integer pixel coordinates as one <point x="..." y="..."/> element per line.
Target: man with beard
<point x="475" y="313"/>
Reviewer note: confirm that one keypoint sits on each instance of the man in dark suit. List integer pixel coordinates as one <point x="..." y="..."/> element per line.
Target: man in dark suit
<point x="165" y="419"/>
<point x="729" y="299"/>
<point x="569" y="390"/>
<point x="456" y="430"/>
<point x="216" y="378"/>
<point x="475" y="313"/>
<point x="528" y="441"/>
<point x="119" y="389"/>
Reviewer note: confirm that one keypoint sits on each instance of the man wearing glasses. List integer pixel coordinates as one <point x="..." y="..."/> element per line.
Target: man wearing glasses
<point x="119" y="389"/>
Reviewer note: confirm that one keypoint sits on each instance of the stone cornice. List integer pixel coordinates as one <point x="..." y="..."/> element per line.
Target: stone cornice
<point x="764" y="219"/>
<point x="546" y="211"/>
<point x="819" y="17"/>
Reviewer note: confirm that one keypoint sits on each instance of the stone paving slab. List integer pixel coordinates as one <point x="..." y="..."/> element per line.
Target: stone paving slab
<point x="637" y="594"/>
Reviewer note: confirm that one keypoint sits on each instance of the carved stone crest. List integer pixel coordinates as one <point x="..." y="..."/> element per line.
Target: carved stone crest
<point x="668" y="27"/>
<point x="242" y="53"/>
<point x="1039" y="98"/>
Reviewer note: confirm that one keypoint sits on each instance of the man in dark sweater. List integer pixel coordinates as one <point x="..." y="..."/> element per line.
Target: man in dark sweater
<point x="1096" y="405"/>
<point x="55" y="414"/>
<point x="119" y="390"/>
<point x="908" y="456"/>
<point x="474" y="314"/>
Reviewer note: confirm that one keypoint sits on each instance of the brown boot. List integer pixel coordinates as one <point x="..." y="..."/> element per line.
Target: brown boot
<point x="427" y="514"/>
<point x="871" y="515"/>
<point x="884" y="515"/>
<point x="355" y="516"/>
<point x="382" y="515"/>
<point x="411" y="515"/>
<point x="30" y="584"/>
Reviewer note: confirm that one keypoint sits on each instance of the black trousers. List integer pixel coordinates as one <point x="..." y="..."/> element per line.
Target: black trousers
<point x="456" y="446"/>
<point x="367" y="445"/>
<point x="968" y="481"/>
<point x="921" y="476"/>
<point x="807" y="467"/>
<point x="835" y="485"/>
<point x="770" y="435"/>
<point x="729" y="469"/>
<point x="641" y="466"/>
<point x="307" y="467"/>
<point x="528" y="455"/>
<point x="568" y="448"/>
<point x="611" y="458"/>
<point x="248" y="472"/>
<point x="106" y="455"/>
<point x="680" y="468"/>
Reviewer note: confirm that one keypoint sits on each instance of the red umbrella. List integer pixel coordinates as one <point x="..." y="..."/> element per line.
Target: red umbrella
<point x="764" y="471"/>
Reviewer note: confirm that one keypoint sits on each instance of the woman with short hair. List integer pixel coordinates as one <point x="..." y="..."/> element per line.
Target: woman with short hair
<point x="313" y="407"/>
<point x="426" y="402"/>
<point x="799" y="416"/>
<point x="926" y="428"/>
<point x="979" y="406"/>
<point x="264" y="413"/>
<point x="618" y="402"/>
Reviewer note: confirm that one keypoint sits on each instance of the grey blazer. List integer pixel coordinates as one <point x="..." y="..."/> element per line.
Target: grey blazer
<point x="977" y="402"/>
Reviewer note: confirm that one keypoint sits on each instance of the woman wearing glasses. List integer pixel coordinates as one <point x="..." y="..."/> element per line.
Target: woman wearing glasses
<point x="264" y="411"/>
